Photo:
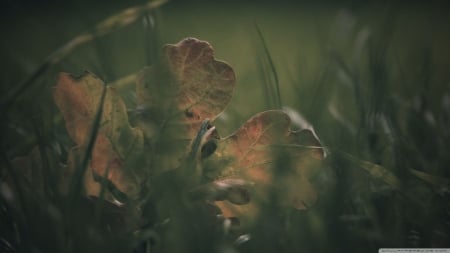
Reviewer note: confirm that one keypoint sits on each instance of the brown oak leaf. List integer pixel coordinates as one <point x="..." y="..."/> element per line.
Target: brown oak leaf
<point x="267" y="153"/>
<point x="188" y="82"/>
<point x="116" y="144"/>
<point x="174" y="96"/>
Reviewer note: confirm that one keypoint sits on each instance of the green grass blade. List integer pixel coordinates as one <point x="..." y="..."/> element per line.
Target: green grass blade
<point x="273" y="71"/>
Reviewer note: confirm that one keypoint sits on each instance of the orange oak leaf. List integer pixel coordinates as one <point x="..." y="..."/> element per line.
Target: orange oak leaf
<point x="116" y="144"/>
<point x="275" y="159"/>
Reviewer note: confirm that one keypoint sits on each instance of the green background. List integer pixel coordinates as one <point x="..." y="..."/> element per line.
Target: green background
<point x="373" y="79"/>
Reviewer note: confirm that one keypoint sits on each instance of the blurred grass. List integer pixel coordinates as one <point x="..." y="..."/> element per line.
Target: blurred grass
<point x="373" y="79"/>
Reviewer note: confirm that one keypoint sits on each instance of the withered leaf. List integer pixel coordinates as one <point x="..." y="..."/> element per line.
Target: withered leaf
<point x="176" y="95"/>
<point x="188" y="82"/>
<point x="116" y="144"/>
<point x="266" y="152"/>
<point x="186" y="86"/>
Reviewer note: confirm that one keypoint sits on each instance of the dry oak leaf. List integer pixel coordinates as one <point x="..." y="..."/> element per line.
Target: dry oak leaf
<point x="267" y="153"/>
<point x="116" y="144"/>
<point x="187" y="85"/>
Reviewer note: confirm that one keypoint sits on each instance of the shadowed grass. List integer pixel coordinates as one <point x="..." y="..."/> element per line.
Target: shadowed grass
<point x="385" y="184"/>
<point x="106" y="26"/>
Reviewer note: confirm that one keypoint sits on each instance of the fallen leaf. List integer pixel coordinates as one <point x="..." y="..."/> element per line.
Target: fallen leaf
<point x="175" y="95"/>
<point x="277" y="160"/>
<point x="188" y="84"/>
<point x="117" y="144"/>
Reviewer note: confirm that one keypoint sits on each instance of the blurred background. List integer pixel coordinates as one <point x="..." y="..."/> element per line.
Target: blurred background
<point x="372" y="78"/>
<point x="306" y="42"/>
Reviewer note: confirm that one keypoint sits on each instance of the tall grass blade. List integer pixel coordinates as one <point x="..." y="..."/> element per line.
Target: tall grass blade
<point x="275" y="87"/>
<point x="110" y="24"/>
<point x="46" y="168"/>
<point x="388" y="177"/>
<point x="77" y="179"/>
<point x="375" y="170"/>
<point x="152" y="43"/>
<point x="441" y="183"/>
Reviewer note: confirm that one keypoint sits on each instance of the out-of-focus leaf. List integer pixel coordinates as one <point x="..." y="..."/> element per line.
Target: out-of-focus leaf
<point x="441" y="183"/>
<point x="233" y="190"/>
<point x="266" y="152"/>
<point x="116" y="144"/>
